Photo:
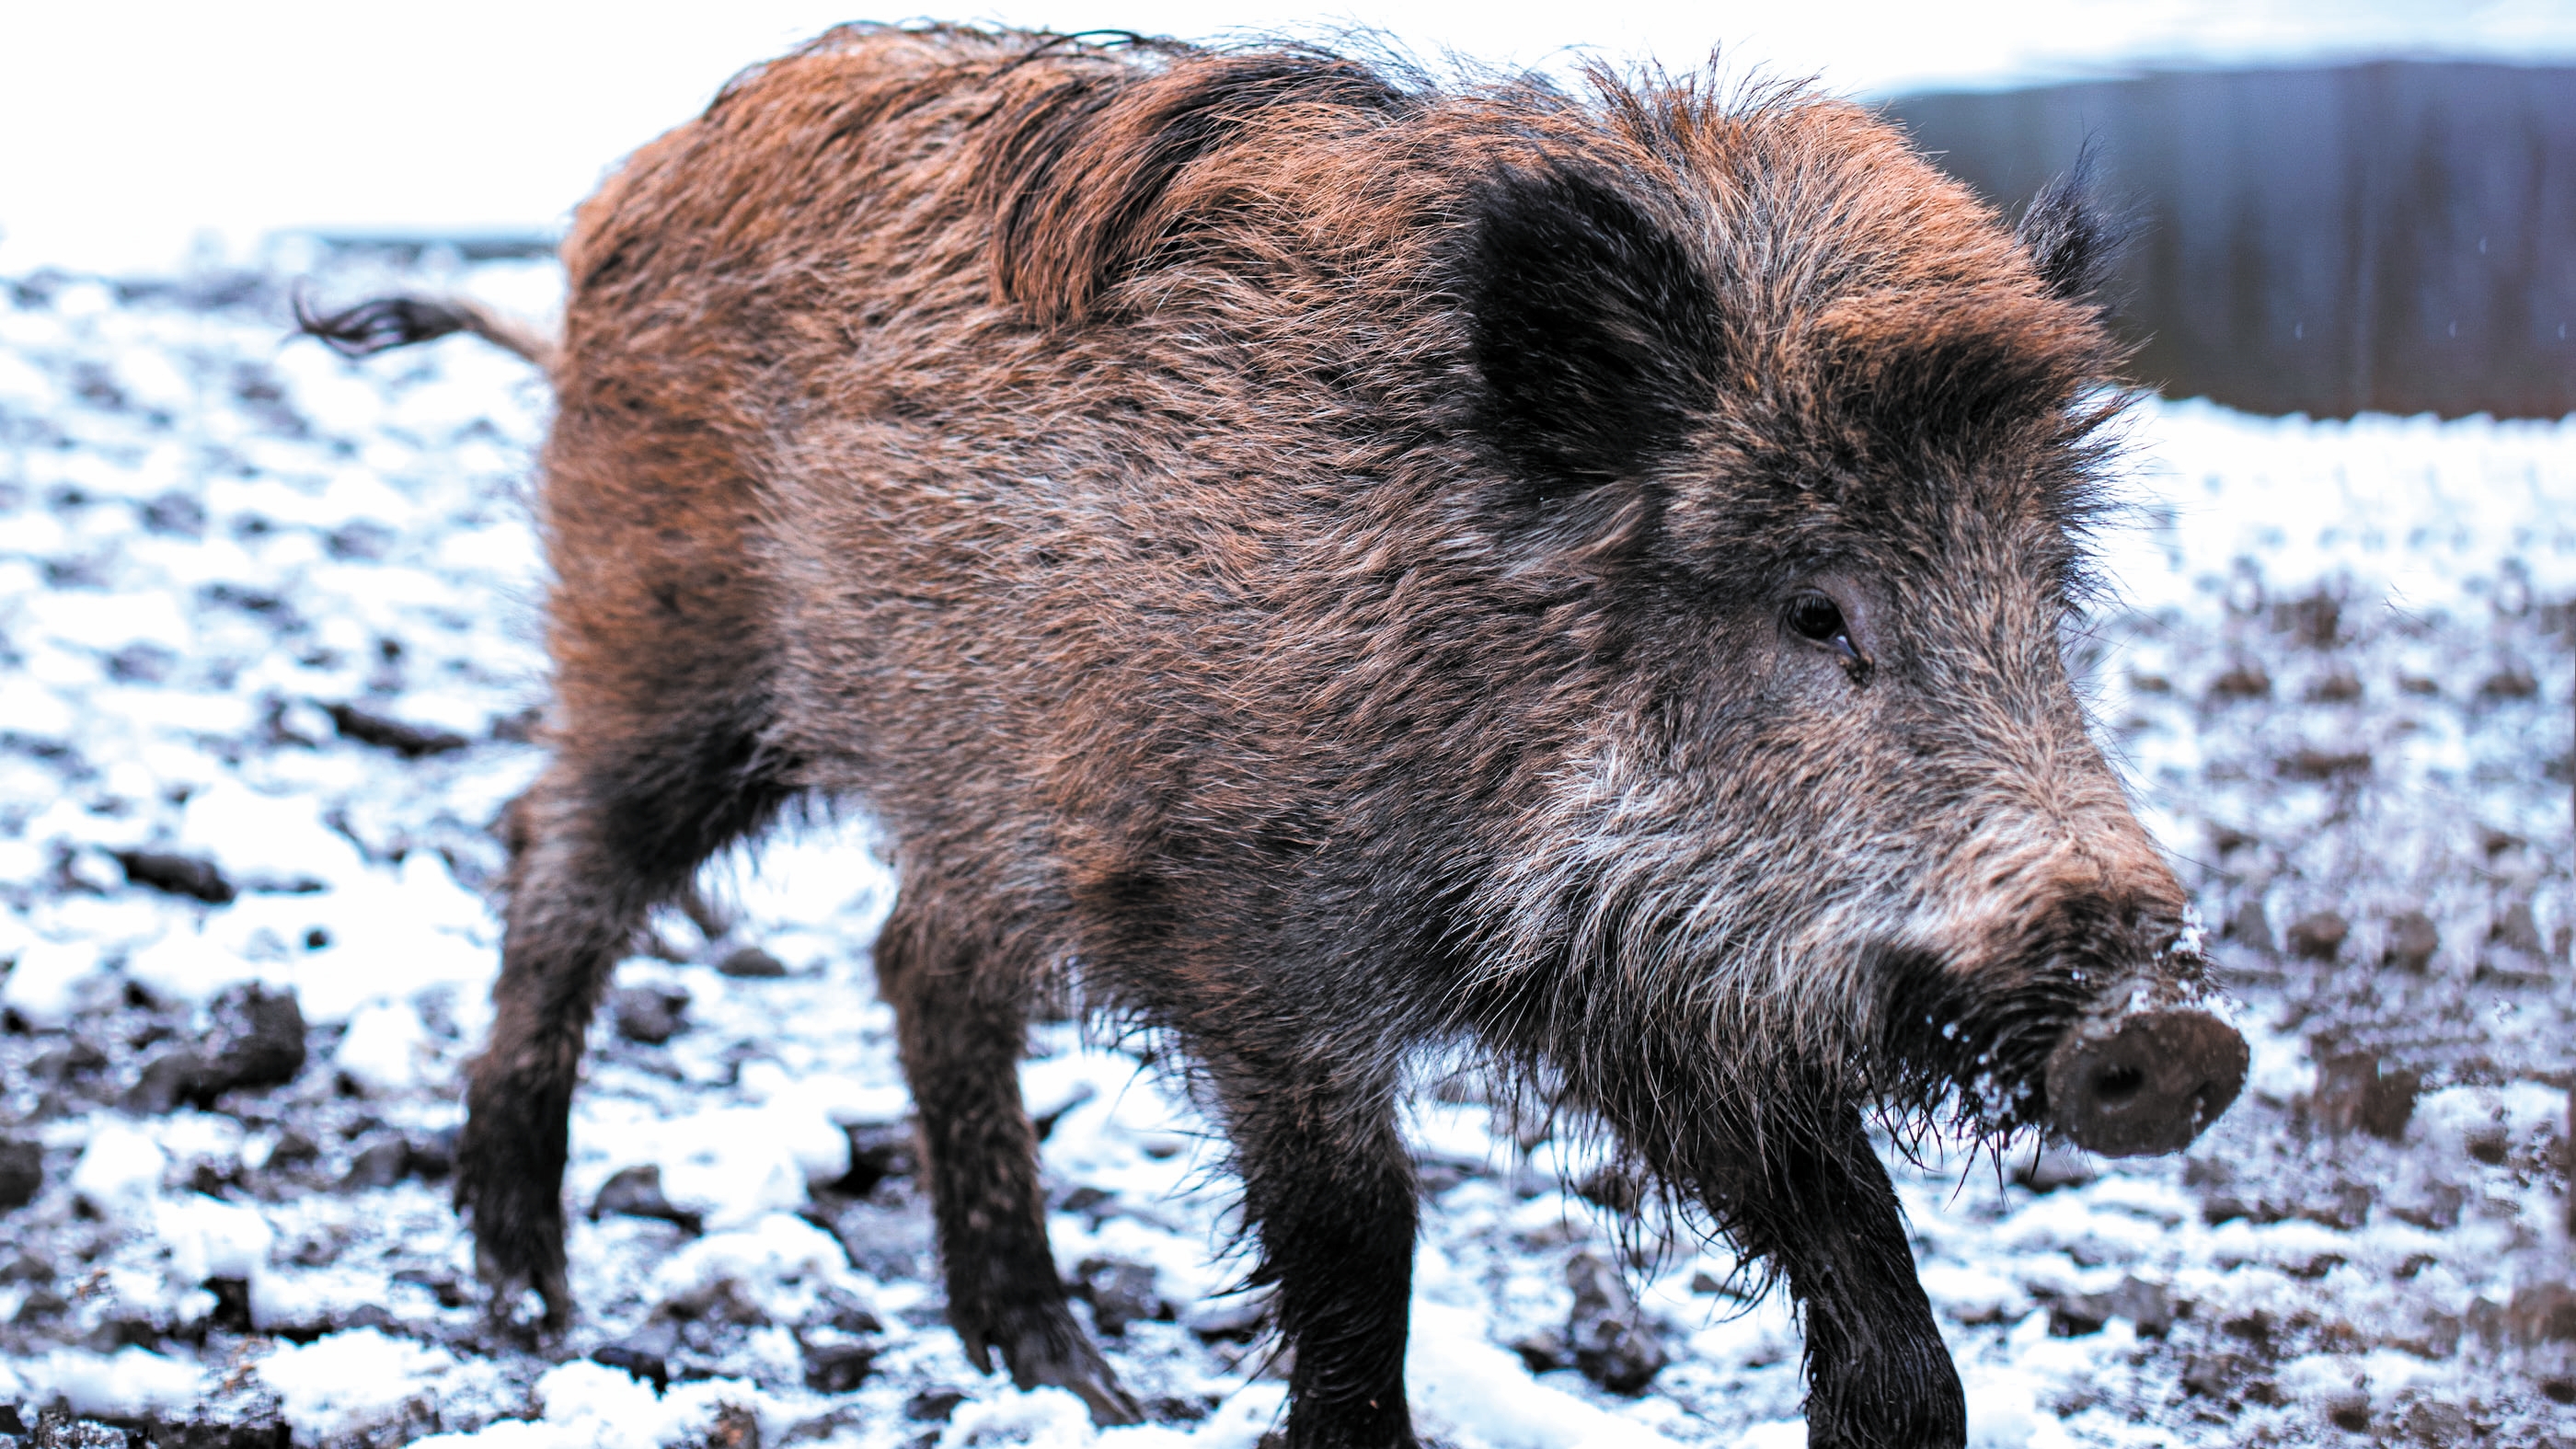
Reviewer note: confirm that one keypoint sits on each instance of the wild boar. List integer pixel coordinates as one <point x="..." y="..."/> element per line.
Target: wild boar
<point x="1333" y="566"/>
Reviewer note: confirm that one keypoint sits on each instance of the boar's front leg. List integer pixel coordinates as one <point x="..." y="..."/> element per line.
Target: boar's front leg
<point x="1878" y="1374"/>
<point x="1329" y="1189"/>
<point x="961" y="1022"/>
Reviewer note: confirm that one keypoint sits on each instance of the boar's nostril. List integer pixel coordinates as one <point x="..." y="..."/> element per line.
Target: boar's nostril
<point x="2118" y="1083"/>
<point x="2144" y="1083"/>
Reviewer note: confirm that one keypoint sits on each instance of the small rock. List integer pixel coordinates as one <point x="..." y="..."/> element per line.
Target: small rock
<point x="1610" y="1342"/>
<point x="1544" y="1351"/>
<point x="2318" y="937"/>
<point x="645" y="1014"/>
<point x="2053" y="1167"/>
<point x="640" y="1358"/>
<point x="2345" y="1208"/>
<point x="2248" y="928"/>
<point x="442" y="1285"/>
<point x="2244" y="680"/>
<point x="2515" y="930"/>
<point x="2355" y="1095"/>
<point x="175" y="513"/>
<point x="2225" y="1207"/>
<point x="407" y="740"/>
<point x="2309" y="763"/>
<point x="2212" y="1375"/>
<point x="384" y="1161"/>
<point x="180" y="875"/>
<point x="2486" y="1319"/>
<point x="432" y="1155"/>
<point x="847" y="1313"/>
<point x="2438" y="1425"/>
<point x="258" y="1040"/>
<point x="2144" y="1304"/>
<point x="636" y="1192"/>
<point x="932" y="1406"/>
<point x="2513" y="681"/>
<point x="2488" y="1144"/>
<point x="751" y="962"/>
<point x="57" y="1430"/>
<point x="1119" y="1292"/>
<point x="40" y="1304"/>
<point x="2316" y="620"/>
<point x="72" y="1060"/>
<point x="838" y="1368"/>
<point x="2542" y="1313"/>
<point x="1094" y="1203"/>
<point x="175" y="1076"/>
<point x="2348" y="1410"/>
<point x="22" y="1172"/>
<point x="878" y="1151"/>
<point x="232" y="1304"/>
<point x="1235" y="1316"/>
<point x="1045" y="1121"/>
<point x="736" y="1427"/>
<point x="1612" y="1187"/>
<point x="1178" y="1409"/>
<point x="293" y="1149"/>
<point x="2412" y="940"/>
<point x="216" y="1434"/>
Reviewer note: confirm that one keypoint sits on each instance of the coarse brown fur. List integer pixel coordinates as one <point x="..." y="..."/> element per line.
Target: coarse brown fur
<point x="1332" y="567"/>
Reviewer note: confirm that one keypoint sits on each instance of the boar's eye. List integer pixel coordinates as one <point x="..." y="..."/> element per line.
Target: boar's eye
<point x="1819" y="620"/>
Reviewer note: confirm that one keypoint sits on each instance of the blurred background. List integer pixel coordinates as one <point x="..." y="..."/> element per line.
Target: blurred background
<point x="2345" y="204"/>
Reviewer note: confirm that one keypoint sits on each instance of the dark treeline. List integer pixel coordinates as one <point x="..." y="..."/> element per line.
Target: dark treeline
<point x="2398" y="236"/>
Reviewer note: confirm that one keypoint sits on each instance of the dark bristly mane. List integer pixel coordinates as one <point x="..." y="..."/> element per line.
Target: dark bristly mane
<point x="1079" y="172"/>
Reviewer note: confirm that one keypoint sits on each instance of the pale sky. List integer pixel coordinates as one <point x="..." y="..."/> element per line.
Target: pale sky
<point x="127" y="129"/>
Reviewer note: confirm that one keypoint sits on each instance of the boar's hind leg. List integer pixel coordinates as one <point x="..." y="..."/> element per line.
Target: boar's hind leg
<point x="616" y="825"/>
<point x="961" y="1019"/>
<point x="1329" y="1188"/>
<point x="1878" y="1373"/>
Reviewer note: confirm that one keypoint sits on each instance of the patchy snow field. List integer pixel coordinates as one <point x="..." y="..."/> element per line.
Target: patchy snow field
<point x="267" y="664"/>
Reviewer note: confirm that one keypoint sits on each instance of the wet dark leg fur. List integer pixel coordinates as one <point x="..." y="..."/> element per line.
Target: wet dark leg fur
<point x="961" y="1013"/>
<point x="1329" y="1190"/>
<point x="1878" y="1374"/>
<point x="618" y="824"/>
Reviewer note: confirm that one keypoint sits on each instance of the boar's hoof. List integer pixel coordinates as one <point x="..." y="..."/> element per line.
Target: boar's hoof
<point x="2146" y="1083"/>
<point x="1070" y="1362"/>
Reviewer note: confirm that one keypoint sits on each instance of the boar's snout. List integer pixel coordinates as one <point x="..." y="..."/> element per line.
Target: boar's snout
<point x="2146" y="1082"/>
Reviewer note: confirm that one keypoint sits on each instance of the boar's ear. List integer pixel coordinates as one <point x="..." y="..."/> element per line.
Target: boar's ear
<point x="2073" y="238"/>
<point x="1594" y="333"/>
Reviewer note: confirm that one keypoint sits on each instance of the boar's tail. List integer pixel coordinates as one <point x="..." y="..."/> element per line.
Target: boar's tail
<point x="389" y="322"/>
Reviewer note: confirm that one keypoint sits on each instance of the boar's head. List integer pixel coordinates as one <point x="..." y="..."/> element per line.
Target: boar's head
<point x="1803" y="445"/>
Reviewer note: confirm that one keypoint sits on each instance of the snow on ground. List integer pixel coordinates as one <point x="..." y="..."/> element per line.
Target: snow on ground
<point x="266" y="666"/>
